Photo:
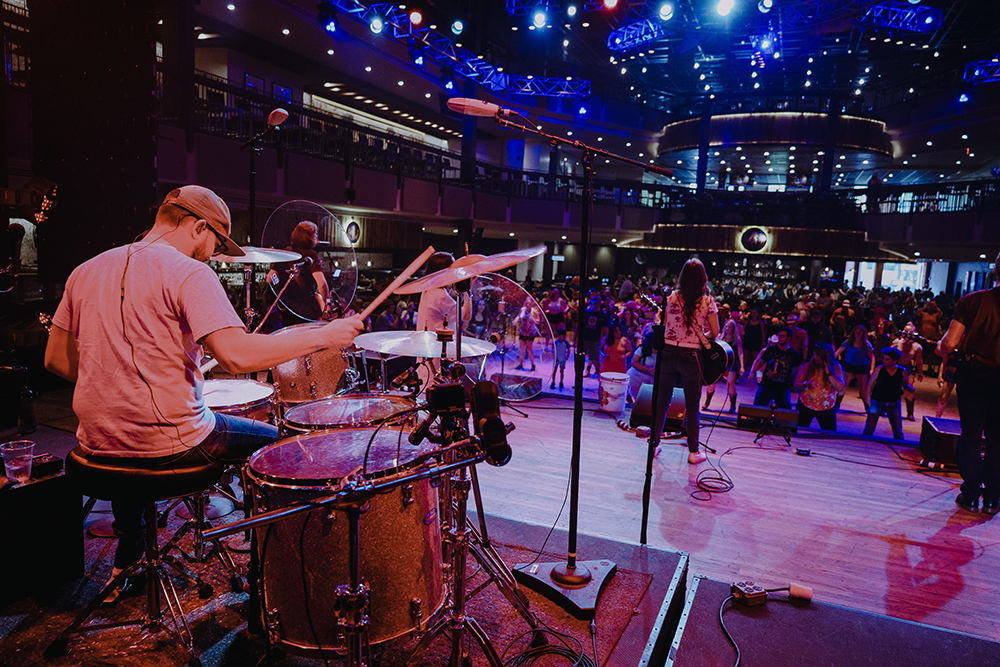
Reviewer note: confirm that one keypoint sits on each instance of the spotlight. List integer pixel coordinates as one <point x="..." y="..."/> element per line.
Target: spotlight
<point x="377" y="24"/>
<point x="539" y="18"/>
<point x="725" y="7"/>
<point x="448" y="77"/>
<point x="457" y="27"/>
<point x="416" y="18"/>
<point x="571" y="11"/>
<point x="666" y="11"/>
<point x="764" y="6"/>
<point x="582" y="111"/>
<point x="327" y="16"/>
<point x="415" y="50"/>
<point x="610" y="4"/>
<point x="963" y="98"/>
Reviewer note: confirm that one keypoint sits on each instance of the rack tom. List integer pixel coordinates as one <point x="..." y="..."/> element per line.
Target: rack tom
<point x="311" y="376"/>
<point x="351" y="411"/>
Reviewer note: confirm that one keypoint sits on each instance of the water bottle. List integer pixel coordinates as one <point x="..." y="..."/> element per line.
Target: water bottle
<point x="26" y="412"/>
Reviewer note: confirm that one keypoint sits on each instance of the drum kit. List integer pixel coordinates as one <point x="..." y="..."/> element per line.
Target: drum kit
<point x="359" y="514"/>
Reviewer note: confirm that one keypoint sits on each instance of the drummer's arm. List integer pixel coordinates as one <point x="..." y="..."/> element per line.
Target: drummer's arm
<point x="62" y="356"/>
<point x="240" y="352"/>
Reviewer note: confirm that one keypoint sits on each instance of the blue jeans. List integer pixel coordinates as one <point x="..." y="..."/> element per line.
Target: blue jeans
<point x="233" y="440"/>
<point x="679" y="368"/>
<point x="780" y="395"/>
<point x="978" y="397"/>
<point x="891" y="410"/>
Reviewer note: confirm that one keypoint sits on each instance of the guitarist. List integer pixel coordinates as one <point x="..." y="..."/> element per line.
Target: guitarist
<point x="691" y="314"/>
<point x="975" y="332"/>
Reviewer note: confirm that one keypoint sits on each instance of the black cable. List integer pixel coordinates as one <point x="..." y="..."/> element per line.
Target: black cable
<point x="722" y="609"/>
<point x="541" y="549"/>
<point x="305" y="588"/>
<point x="371" y="440"/>
<point x="574" y="655"/>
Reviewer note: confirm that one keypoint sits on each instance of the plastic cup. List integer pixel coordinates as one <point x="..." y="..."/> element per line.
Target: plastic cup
<point x="17" y="459"/>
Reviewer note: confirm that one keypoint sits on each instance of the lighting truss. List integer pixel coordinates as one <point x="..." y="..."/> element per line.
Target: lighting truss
<point x="521" y="7"/>
<point x="983" y="71"/>
<point x="636" y="34"/>
<point x="443" y="52"/>
<point x="904" y="16"/>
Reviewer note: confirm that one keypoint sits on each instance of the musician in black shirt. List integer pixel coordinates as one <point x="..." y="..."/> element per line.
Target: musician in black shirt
<point x="975" y="333"/>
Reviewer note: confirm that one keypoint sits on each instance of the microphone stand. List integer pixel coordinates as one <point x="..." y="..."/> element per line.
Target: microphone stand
<point x="655" y="430"/>
<point x="574" y="585"/>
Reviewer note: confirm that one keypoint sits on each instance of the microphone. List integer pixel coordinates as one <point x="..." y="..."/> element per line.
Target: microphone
<point x="305" y="261"/>
<point x="493" y="338"/>
<point x="468" y="106"/>
<point x="407" y="378"/>
<point x="422" y="431"/>
<point x="490" y="428"/>
<point x="277" y="117"/>
<point x="274" y="120"/>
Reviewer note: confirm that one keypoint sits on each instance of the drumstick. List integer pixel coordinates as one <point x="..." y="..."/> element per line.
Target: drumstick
<point x="407" y="272"/>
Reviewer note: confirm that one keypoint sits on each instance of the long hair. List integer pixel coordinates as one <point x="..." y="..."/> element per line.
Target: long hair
<point x="691" y="283"/>
<point x="302" y="235"/>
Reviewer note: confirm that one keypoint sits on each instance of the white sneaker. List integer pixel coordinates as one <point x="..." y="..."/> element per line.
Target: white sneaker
<point x="696" y="457"/>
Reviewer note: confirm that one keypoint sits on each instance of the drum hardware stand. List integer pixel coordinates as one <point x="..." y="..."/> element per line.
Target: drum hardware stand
<point x="770" y="426"/>
<point x="352" y="601"/>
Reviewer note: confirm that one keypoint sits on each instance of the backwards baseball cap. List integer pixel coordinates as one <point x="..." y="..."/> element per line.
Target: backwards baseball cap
<point x="209" y="207"/>
<point x="847" y="302"/>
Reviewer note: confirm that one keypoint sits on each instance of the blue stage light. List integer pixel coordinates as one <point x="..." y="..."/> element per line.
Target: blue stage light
<point x="963" y="98"/>
<point x="571" y="11"/>
<point x="376" y="25"/>
<point x="539" y="19"/>
<point x="457" y="27"/>
<point x="331" y="26"/>
<point x="582" y="111"/>
<point x="666" y="11"/>
<point x="764" y="6"/>
<point x="725" y="7"/>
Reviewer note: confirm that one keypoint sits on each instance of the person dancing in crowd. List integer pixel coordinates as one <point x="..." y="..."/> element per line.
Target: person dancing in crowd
<point x="614" y="351"/>
<point x="754" y="335"/>
<point x="642" y="368"/>
<point x="858" y="358"/>
<point x="527" y="331"/>
<point x="819" y="382"/>
<point x="912" y="359"/>
<point x="144" y="314"/>
<point x="885" y="392"/>
<point x="690" y="313"/>
<point x="731" y="334"/>
<point x="975" y="332"/>
<point x="778" y="365"/>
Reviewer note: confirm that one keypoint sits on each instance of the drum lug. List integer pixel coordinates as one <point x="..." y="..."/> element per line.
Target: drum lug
<point x="312" y="390"/>
<point x="407" y="491"/>
<point x="351" y="607"/>
<point x="309" y="365"/>
<point x="273" y="626"/>
<point x="417" y="611"/>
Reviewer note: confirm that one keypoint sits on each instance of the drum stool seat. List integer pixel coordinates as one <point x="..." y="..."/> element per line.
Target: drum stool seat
<point x="136" y="481"/>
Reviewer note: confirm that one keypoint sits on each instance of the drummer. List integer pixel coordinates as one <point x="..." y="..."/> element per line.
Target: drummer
<point x="130" y="332"/>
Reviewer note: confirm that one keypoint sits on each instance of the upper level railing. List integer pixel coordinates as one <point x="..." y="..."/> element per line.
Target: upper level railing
<point x="981" y="196"/>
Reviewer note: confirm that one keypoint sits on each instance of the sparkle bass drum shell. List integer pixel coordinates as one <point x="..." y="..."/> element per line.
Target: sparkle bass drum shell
<point x="349" y="411"/>
<point x="309" y="377"/>
<point x="303" y="559"/>
<point x="242" y="398"/>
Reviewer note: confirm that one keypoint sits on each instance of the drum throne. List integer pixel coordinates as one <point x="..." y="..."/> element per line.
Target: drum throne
<point x="111" y="479"/>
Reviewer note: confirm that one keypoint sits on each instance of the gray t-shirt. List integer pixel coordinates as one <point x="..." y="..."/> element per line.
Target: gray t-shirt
<point x="139" y="389"/>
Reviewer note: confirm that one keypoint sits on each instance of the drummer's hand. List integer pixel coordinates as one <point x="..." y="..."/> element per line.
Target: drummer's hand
<point x="340" y="333"/>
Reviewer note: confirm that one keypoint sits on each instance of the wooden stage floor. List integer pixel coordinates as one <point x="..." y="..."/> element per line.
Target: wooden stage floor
<point x="856" y="521"/>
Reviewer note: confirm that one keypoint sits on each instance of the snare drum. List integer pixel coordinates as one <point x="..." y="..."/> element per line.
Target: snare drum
<point x="304" y="558"/>
<point x="348" y="411"/>
<point x="307" y="378"/>
<point x="242" y="398"/>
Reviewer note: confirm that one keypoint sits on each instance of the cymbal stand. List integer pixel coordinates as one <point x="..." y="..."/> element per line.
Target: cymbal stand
<point x="457" y="622"/>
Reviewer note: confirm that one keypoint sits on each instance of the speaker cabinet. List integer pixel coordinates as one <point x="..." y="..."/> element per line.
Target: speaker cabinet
<point x="642" y="411"/>
<point x="938" y="440"/>
<point x="750" y="417"/>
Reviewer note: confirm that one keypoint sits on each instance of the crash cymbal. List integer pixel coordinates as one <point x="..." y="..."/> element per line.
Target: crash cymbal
<point x="260" y="256"/>
<point x="419" y="344"/>
<point x="458" y="272"/>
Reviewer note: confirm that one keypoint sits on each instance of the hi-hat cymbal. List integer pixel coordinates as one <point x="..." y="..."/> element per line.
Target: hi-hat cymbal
<point x="419" y="344"/>
<point x="260" y="256"/>
<point x="457" y="272"/>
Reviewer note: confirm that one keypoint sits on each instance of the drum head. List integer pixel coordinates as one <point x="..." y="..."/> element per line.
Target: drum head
<point x="351" y="410"/>
<point x="231" y="393"/>
<point x="323" y="458"/>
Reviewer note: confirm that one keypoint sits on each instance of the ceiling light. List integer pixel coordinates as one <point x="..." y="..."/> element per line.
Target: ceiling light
<point x="457" y="27"/>
<point x="285" y="31"/>
<point x="376" y="24"/>
<point x="666" y="11"/>
<point x="416" y="18"/>
<point x="725" y="7"/>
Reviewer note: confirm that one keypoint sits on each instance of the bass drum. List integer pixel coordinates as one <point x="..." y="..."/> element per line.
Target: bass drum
<point x="309" y="377"/>
<point x="349" y="411"/>
<point x="242" y="398"/>
<point x="303" y="559"/>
